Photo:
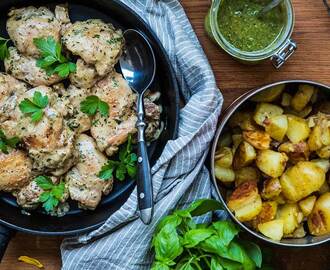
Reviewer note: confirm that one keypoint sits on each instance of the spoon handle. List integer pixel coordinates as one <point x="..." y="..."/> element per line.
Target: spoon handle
<point x="144" y="181"/>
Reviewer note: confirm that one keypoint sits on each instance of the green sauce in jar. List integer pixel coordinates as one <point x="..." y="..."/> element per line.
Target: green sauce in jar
<point x="242" y="28"/>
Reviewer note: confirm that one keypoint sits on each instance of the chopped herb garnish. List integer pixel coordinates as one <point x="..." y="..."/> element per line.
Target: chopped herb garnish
<point x="4" y="53"/>
<point x="7" y="142"/>
<point x="92" y="104"/>
<point x="34" y="108"/>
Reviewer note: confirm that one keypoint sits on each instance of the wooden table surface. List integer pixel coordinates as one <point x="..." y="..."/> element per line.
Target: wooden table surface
<point x="310" y="62"/>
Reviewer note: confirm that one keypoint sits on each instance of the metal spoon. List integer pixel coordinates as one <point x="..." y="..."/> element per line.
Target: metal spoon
<point x="269" y="7"/>
<point x="138" y="66"/>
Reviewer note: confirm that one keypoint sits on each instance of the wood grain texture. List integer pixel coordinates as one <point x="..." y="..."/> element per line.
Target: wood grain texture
<point x="311" y="61"/>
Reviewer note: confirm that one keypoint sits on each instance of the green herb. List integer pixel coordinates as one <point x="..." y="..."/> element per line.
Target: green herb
<point x="7" y="142"/>
<point x="92" y="104"/>
<point x="4" y="53"/>
<point x="34" y="108"/>
<point x="52" y="194"/>
<point x="182" y="244"/>
<point x="52" y="60"/>
<point x="120" y="168"/>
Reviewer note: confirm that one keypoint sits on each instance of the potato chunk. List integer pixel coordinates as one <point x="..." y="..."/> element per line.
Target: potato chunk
<point x="320" y="134"/>
<point x="324" y="164"/>
<point x="271" y="162"/>
<point x="272" y="229"/>
<point x="224" y="157"/>
<point x="302" y="97"/>
<point x="246" y="174"/>
<point x="319" y="219"/>
<point x="244" y="155"/>
<point x="307" y="205"/>
<point x="225" y="175"/>
<point x="265" y="111"/>
<point x="267" y="213"/>
<point x="286" y="100"/>
<point x="244" y="120"/>
<point x="277" y="127"/>
<point x="301" y="180"/>
<point x="258" y="139"/>
<point x="298" y="129"/>
<point x="269" y="94"/>
<point x="289" y="213"/>
<point x="271" y="188"/>
<point x="324" y="152"/>
<point x="245" y="201"/>
<point x="295" y="151"/>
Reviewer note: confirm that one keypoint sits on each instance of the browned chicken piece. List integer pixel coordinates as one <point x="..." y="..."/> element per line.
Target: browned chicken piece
<point x="152" y="113"/>
<point x="83" y="183"/>
<point x="10" y="90"/>
<point x="85" y="75"/>
<point x="26" y="24"/>
<point x="15" y="170"/>
<point x="96" y="42"/>
<point x="24" y="68"/>
<point x="113" y="131"/>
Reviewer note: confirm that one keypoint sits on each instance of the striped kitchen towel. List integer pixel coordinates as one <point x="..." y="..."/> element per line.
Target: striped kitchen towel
<point x="179" y="176"/>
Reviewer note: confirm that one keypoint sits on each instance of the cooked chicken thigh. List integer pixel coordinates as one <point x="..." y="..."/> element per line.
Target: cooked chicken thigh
<point x="96" y="42"/>
<point x="85" y="75"/>
<point x="10" y="90"/>
<point x="24" y="68"/>
<point x="82" y="180"/>
<point x="26" y="24"/>
<point x="15" y="170"/>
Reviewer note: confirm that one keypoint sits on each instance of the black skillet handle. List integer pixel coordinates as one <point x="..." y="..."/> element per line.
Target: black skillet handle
<point x="5" y="236"/>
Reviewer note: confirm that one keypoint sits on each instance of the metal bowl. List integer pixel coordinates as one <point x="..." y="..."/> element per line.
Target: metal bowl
<point x="308" y="240"/>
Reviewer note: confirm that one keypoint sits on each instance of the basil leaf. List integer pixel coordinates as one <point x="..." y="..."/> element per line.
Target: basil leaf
<point x="253" y="251"/>
<point x="230" y="265"/>
<point x="171" y="220"/>
<point x="187" y="266"/>
<point x="160" y="266"/>
<point x="44" y="182"/>
<point x="203" y="206"/>
<point x="226" y="230"/>
<point x="193" y="237"/>
<point x="90" y="105"/>
<point x="215" y="264"/>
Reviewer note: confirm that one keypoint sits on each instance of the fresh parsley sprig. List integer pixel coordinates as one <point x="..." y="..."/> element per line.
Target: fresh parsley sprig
<point x="92" y="104"/>
<point x="52" y="194"/>
<point x="120" y="168"/>
<point x="4" y="53"/>
<point x="52" y="60"/>
<point x="7" y="142"/>
<point x="34" y="108"/>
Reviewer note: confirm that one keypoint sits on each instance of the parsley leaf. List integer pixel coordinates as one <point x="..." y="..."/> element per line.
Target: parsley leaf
<point x="7" y="142"/>
<point x="35" y="107"/>
<point x="52" y="60"/>
<point x="52" y="194"/>
<point x="92" y="104"/>
<point x="4" y="53"/>
<point x="125" y="165"/>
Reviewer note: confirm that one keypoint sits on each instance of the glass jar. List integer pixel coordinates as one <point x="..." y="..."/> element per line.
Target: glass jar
<point x="278" y="52"/>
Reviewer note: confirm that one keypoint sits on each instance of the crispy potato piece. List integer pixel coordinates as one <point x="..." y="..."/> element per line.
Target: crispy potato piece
<point x="265" y="111"/>
<point x="324" y="107"/>
<point x="298" y="233"/>
<point x="302" y="97"/>
<point x="246" y="174"/>
<point x="244" y="120"/>
<point x="277" y="127"/>
<point x="267" y="213"/>
<point x="319" y="220"/>
<point x="245" y="201"/>
<point x="320" y="134"/>
<point x="314" y="140"/>
<point x="295" y="151"/>
<point x="269" y="94"/>
<point x="286" y="100"/>
<point x="324" y="188"/>
<point x="301" y="180"/>
<point x="324" y="152"/>
<point x="271" y="188"/>
<point x="298" y="129"/>
<point x="302" y="114"/>
<point x="237" y="139"/>
<point x="225" y="175"/>
<point x="272" y="229"/>
<point x="224" y="157"/>
<point x="271" y="162"/>
<point x="289" y="213"/>
<point x="307" y="205"/>
<point x="324" y="164"/>
<point x="225" y="140"/>
<point x="244" y="155"/>
<point x="279" y="199"/>
<point x="258" y="139"/>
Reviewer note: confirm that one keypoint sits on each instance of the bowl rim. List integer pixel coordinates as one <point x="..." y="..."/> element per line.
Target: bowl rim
<point x="228" y="112"/>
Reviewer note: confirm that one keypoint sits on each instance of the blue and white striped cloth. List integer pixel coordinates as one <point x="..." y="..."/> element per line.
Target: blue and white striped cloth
<point x="179" y="176"/>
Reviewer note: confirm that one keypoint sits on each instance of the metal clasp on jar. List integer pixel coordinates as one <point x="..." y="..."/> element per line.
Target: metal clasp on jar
<point x="283" y="54"/>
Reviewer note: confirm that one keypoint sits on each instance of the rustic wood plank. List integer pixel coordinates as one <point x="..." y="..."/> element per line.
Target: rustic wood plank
<point x="311" y="61"/>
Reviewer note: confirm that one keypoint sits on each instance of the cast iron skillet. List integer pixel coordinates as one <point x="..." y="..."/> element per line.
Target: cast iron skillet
<point x="78" y="221"/>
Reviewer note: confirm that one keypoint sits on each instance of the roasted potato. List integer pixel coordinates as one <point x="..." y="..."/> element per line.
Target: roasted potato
<point x="319" y="220"/>
<point x="324" y="164"/>
<point x="225" y="175"/>
<point x="289" y="213"/>
<point x="286" y="100"/>
<point x="301" y="180"/>
<point x="324" y="188"/>
<point x="237" y="139"/>
<point x="324" y="152"/>
<point x="245" y="201"/>
<point x="320" y="134"/>
<point x="307" y="205"/>
<point x="244" y="120"/>
<point x="302" y="97"/>
<point x="244" y="155"/>
<point x="246" y="174"/>
<point x="265" y="111"/>
<point x="302" y="114"/>
<point x="258" y="139"/>
<point x="224" y="157"/>
<point x="279" y="199"/>
<point x="267" y="213"/>
<point x="298" y="129"/>
<point x="270" y="94"/>
<point x="277" y="127"/>
<point x="225" y="140"/>
<point x="295" y="151"/>
<point x="271" y="188"/>
<point x="298" y="233"/>
<point x="272" y="229"/>
<point x="271" y="162"/>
